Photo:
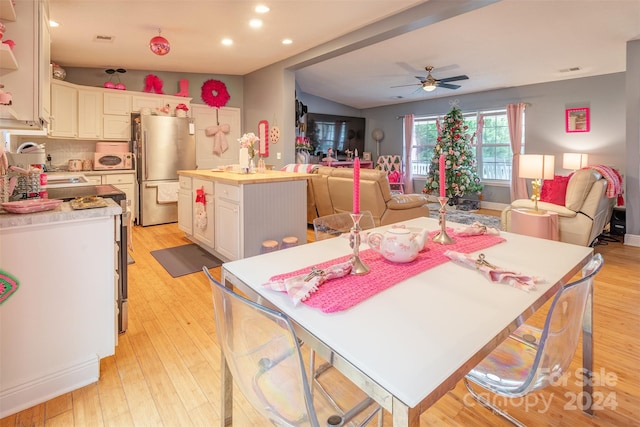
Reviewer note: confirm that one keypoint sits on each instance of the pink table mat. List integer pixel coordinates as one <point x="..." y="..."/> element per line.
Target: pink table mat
<point x="345" y="292"/>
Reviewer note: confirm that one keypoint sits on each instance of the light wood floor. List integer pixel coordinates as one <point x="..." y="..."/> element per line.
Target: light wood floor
<point x="166" y="368"/>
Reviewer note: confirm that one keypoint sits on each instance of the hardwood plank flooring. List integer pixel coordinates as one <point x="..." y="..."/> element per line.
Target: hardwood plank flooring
<point x="166" y="370"/>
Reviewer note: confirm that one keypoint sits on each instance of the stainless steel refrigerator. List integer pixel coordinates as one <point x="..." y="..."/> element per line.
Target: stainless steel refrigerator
<point x="163" y="145"/>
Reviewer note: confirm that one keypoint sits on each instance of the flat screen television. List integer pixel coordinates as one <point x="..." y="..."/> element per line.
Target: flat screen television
<point x="340" y="133"/>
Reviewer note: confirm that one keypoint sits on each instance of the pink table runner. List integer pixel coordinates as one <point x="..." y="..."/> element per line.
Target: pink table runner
<point x="345" y="292"/>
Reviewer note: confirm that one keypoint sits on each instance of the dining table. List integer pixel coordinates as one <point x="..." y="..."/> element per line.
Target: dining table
<point x="415" y="338"/>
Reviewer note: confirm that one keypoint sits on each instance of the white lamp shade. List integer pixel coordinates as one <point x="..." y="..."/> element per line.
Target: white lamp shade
<point x="536" y="166"/>
<point x="574" y="161"/>
<point x="429" y="87"/>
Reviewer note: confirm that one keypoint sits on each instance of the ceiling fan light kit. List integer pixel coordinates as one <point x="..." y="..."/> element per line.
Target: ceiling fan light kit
<point x="430" y="83"/>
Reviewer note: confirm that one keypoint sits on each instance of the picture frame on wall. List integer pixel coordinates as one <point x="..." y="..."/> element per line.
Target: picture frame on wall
<point x="366" y="155"/>
<point x="577" y="120"/>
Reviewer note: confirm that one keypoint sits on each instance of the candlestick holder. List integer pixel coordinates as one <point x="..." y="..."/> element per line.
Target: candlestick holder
<point x="442" y="237"/>
<point x="359" y="267"/>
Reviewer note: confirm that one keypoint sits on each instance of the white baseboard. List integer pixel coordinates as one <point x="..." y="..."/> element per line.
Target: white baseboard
<point x="632" y="239"/>
<point x="493" y="205"/>
<point x="34" y="391"/>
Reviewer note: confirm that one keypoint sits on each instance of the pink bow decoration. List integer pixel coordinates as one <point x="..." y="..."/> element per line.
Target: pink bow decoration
<point x="494" y="273"/>
<point x="300" y="287"/>
<point x="220" y="144"/>
<point x="394" y="177"/>
<point x="477" y="229"/>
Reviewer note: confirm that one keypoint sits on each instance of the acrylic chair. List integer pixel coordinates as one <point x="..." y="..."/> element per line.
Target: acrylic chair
<point x="328" y="226"/>
<point x="263" y="354"/>
<point x="530" y="358"/>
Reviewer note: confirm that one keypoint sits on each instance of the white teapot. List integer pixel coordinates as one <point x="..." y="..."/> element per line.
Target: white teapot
<point x="399" y="244"/>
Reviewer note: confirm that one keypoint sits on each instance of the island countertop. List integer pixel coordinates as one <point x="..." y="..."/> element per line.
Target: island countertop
<point x="64" y="212"/>
<point x="244" y="178"/>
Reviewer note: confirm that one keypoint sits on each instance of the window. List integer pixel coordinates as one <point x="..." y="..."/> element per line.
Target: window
<point x="493" y="147"/>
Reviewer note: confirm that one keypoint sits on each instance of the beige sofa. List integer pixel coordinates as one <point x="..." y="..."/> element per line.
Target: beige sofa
<point x="332" y="192"/>
<point x="587" y="209"/>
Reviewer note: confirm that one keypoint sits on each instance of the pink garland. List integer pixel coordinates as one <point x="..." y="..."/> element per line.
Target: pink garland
<point x="221" y="96"/>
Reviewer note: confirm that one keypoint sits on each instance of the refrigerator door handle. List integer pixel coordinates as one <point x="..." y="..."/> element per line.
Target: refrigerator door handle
<point x="144" y="150"/>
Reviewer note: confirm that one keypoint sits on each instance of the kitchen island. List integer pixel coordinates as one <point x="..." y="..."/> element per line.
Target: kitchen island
<point x="61" y="320"/>
<point x="230" y="214"/>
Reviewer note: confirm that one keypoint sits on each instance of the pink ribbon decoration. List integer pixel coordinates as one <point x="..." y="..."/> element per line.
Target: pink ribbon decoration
<point x="494" y="273"/>
<point x="220" y="144"/>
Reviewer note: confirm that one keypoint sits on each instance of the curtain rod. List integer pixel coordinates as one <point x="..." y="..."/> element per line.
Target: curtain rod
<point x="528" y="104"/>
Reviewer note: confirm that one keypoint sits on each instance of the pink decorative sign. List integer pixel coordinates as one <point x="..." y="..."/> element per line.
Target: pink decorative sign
<point x="577" y="120"/>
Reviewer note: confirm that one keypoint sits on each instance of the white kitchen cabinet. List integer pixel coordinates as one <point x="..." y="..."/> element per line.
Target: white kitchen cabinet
<point x="204" y="117"/>
<point x="94" y="179"/>
<point x="228" y="216"/>
<point x="23" y="70"/>
<point x="116" y="103"/>
<point x="89" y="114"/>
<point x="203" y="214"/>
<point x="64" y="110"/>
<point x="185" y="205"/>
<point x="62" y="319"/>
<point x="116" y="127"/>
<point x="124" y="182"/>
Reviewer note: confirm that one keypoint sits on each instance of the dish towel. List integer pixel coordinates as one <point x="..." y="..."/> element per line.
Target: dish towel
<point x="300" y="287"/>
<point x="494" y="273"/>
<point x="168" y="192"/>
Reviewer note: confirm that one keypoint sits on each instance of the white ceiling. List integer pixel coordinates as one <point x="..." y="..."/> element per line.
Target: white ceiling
<point x="363" y="46"/>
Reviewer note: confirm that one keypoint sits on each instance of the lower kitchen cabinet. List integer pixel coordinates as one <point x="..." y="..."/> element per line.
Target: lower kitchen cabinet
<point x="204" y="228"/>
<point x="185" y="205"/>
<point x="228" y="226"/>
<point x="247" y="210"/>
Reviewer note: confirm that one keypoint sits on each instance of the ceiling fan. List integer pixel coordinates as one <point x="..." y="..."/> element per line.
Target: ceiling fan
<point x="430" y="83"/>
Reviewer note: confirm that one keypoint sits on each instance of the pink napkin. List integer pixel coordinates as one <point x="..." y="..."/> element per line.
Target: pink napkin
<point x="300" y="287"/>
<point x="477" y="229"/>
<point x="494" y="273"/>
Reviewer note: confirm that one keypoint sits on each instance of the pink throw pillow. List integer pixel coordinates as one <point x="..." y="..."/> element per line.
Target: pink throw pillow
<point x="555" y="190"/>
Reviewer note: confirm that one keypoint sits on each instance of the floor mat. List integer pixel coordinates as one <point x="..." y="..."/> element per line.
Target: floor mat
<point x="185" y="259"/>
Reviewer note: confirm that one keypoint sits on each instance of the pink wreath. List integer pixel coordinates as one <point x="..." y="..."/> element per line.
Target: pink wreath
<point x="221" y="96"/>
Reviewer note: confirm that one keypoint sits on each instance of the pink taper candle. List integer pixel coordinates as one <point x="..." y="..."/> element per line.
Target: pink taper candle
<point x="442" y="178"/>
<point x="356" y="186"/>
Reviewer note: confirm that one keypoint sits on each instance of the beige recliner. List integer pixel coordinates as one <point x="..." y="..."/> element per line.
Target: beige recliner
<point x="333" y="193"/>
<point x="587" y="209"/>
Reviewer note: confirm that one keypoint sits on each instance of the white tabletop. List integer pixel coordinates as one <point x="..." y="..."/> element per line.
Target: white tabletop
<point x="414" y="338"/>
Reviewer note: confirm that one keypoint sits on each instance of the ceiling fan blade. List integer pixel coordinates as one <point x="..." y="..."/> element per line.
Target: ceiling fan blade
<point x="412" y="84"/>
<point x="454" y="79"/>
<point x="448" y="86"/>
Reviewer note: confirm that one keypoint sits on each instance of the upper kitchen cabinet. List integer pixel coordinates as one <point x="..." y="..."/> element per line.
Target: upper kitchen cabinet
<point x="64" y="110"/>
<point x="24" y="71"/>
<point x="90" y="113"/>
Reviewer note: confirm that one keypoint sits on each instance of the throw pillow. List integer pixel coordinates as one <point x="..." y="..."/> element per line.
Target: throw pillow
<point x="555" y="190"/>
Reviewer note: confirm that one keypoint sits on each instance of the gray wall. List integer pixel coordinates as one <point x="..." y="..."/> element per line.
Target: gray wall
<point x="545" y="126"/>
<point x="134" y="80"/>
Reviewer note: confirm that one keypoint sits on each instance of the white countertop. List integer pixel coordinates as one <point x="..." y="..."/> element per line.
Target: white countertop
<point x="62" y="213"/>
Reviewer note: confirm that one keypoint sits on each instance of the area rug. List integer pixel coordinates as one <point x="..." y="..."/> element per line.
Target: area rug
<point x="185" y="259"/>
<point x="463" y="217"/>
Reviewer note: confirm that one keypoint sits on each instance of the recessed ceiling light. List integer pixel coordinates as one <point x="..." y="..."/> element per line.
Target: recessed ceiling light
<point x="255" y="23"/>
<point x="262" y="9"/>
<point x="227" y="41"/>
<point x="53" y="24"/>
<point x="287" y="41"/>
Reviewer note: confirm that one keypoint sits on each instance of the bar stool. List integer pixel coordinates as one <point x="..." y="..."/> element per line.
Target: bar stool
<point x="289" y="242"/>
<point x="269" y="246"/>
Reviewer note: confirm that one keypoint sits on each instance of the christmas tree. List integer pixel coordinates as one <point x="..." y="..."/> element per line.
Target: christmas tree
<point x="461" y="174"/>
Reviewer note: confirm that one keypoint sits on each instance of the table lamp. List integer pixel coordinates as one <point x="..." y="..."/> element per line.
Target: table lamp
<point x="536" y="167"/>
<point x="574" y="161"/>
